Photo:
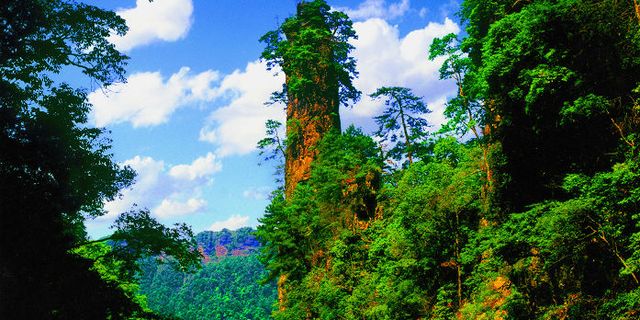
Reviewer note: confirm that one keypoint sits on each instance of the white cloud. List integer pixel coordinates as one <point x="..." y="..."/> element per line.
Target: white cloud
<point x="160" y="20"/>
<point x="377" y="9"/>
<point x="384" y="59"/>
<point x="387" y="59"/>
<point x="147" y="180"/>
<point x="233" y="223"/>
<point x="199" y="168"/>
<point x="146" y="99"/>
<point x="168" y="207"/>
<point x="237" y="127"/>
<point x="167" y="190"/>
<point x="257" y="193"/>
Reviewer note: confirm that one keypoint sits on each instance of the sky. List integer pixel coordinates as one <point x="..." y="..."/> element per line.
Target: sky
<point x="192" y="110"/>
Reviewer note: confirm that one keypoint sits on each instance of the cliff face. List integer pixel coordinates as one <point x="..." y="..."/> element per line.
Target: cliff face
<point x="306" y="125"/>
<point x="313" y="107"/>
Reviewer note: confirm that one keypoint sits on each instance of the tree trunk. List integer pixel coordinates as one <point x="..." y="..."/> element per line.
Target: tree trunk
<point x="406" y="135"/>
<point x="458" y="265"/>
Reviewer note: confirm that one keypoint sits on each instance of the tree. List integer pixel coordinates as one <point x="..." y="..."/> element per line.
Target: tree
<point x="401" y="120"/>
<point x="553" y="107"/>
<point x="137" y="235"/>
<point x="417" y="251"/>
<point x="273" y="147"/>
<point x="567" y="126"/>
<point x="555" y="87"/>
<point x="315" y="236"/>
<point x="464" y="112"/>
<point x="55" y="170"/>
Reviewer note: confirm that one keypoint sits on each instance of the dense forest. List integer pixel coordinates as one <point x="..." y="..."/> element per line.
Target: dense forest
<point x="228" y="286"/>
<point x="525" y="204"/>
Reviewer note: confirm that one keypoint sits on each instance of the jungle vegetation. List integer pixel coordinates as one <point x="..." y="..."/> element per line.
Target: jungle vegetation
<point x="525" y="204"/>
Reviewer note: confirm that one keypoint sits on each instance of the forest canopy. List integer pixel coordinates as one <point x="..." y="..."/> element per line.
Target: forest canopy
<point x="524" y="205"/>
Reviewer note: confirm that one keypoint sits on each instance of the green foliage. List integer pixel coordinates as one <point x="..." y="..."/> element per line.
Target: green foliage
<point x="138" y="235"/>
<point x="435" y="204"/>
<point x="535" y="217"/>
<point x="557" y="79"/>
<point x="286" y="234"/>
<point x="273" y="148"/>
<point x="315" y="237"/>
<point x="272" y="141"/>
<point x="569" y="252"/>
<point x="554" y="85"/>
<point x="465" y="111"/>
<point x="402" y="123"/>
<point x="624" y="306"/>
<point x="226" y="287"/>
<point x="313" y="46"/>
<point x="113" y="270"/>
<point x="40" y="38"/>
<point x="56" y="171"/>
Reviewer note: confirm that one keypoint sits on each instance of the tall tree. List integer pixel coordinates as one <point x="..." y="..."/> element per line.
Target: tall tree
<point x="402" y="122"/>
<point x="464" y="112"/>
<point x="55" y="170"/>
<point x="467" y="111"/>
<point x="273" y="146"/>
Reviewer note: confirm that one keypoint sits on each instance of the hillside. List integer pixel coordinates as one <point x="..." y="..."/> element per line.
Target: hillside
<point x="226" y="287"/>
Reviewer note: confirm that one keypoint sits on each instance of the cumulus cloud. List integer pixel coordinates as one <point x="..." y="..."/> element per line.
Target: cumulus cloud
<point x="377" y="9"/>
<point x="167" y="190"/>
<point x="160" y="20"/>
<point x="233" y="223"/>
<point x="147" y="99"/>
<point x="148" y="182"/>
<point x="199" y="168"/>
<point x="237" y="126"/>
<point x="384" y="59"/>
<point x="168" y="207"/>
<point x="387" y="59"/>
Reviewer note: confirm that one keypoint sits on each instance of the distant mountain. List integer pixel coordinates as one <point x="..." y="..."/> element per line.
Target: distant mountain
<point x="226" y="287"/>
<point x="223" y="243"/>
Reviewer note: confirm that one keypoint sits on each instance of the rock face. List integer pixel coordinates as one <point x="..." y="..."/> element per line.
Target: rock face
<point x="313" y="111"/>
<point x="227" y="243"/>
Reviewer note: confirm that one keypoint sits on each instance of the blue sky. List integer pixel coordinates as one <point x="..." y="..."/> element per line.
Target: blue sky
<point x="190" y="115"/>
